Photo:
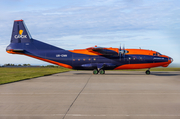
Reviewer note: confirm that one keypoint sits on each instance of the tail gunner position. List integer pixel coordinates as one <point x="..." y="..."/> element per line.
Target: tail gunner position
<point x="95" y="58"/>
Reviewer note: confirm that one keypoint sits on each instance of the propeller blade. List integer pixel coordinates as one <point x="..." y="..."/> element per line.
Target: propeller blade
<point x="120" y="51"/>
<point x="123" y="51"/>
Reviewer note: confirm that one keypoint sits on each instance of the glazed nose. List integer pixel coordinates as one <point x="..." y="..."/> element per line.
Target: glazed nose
<point x="170" y="59"/>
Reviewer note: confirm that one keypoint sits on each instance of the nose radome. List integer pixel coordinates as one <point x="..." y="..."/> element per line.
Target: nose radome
<point x="171" y="59"/>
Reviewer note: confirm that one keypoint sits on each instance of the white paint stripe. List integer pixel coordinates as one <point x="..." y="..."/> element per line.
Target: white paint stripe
<point x="85" y="93"/>
<point x="88" y="115"/>
<point x="118" y="115"/>
<point x="128" y="93"/>
<point x="38" y="93"/>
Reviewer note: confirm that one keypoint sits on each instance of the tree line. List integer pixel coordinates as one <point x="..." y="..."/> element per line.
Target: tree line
<point x="17" y="65"/>
<point x="26" y="65"/>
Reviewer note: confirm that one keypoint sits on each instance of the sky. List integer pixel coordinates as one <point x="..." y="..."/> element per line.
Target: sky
<point x="79" y="24"/>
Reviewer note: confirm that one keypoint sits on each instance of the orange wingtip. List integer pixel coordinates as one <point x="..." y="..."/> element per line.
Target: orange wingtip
<point x="18" y="20"/>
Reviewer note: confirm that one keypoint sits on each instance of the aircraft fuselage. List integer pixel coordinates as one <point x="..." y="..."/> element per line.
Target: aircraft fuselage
<point x="93" y="58"/>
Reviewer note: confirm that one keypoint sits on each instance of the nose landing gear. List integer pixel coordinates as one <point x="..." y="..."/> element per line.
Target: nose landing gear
<point x="148" y="72"/>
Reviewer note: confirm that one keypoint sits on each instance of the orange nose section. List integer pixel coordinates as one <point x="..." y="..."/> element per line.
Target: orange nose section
<point x="169" y="61"/>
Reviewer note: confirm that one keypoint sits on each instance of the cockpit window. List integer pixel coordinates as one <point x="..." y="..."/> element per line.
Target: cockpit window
<point x="157" y="54"/>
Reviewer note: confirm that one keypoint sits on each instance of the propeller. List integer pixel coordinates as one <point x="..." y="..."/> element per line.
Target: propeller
<point x="122" y="52"/>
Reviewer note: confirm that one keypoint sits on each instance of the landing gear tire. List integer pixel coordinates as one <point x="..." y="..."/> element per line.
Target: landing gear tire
<point x="95" y="71"/>
<point x="148" y="72"/>
<point x="102" y="71"/>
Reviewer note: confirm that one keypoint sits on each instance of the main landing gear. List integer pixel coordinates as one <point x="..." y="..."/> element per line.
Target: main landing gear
<point x="148" y="72"/>
<point x="102" y="71"/>
<point x="96" y="71"/>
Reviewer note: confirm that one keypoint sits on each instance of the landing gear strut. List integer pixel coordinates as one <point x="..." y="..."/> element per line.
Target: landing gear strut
<point x="148" y="72"/>
<point x="96" y="71"/>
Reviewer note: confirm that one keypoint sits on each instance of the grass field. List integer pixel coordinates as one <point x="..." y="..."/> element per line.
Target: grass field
<point x="8" y="75"/>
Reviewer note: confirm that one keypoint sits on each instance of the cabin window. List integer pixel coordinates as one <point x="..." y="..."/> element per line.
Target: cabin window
<point x="73" y="59"/>
<point x="84" y="59"/>
<point x="78" y="59"/>
<point x="89" y="59"/>
<point x="94" y="58"/>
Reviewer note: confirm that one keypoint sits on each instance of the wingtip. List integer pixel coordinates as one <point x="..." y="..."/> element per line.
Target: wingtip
<point x="18" y="20"/>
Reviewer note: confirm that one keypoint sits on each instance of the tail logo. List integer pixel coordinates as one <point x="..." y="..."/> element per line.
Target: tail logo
<point x="20" y="32"/>
<point x="20" y="35"/>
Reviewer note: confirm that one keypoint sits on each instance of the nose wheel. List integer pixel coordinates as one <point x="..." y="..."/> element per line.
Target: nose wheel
<point x="148" y="72"/>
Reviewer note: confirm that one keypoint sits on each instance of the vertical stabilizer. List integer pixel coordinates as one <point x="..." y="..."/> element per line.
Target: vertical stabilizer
<point x="20" y="33"/>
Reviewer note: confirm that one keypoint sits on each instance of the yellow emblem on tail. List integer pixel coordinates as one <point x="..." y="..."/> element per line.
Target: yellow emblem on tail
<point x="20" y="35"/>
<point x="20" y="32"/>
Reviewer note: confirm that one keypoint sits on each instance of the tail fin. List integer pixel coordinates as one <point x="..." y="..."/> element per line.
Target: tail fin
<point x="20" y="33"/>
<point x="21" y="40"/>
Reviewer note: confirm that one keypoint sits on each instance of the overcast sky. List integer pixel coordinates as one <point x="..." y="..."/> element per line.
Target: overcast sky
<point x="78" y="24"/>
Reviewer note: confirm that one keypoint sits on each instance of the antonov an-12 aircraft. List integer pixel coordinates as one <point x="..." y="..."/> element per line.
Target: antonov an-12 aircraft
<point x="95" y="58"/>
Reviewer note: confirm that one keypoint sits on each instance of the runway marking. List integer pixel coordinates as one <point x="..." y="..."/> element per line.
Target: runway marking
<point x="38" y="93"/>
<point x="129" y="93"/>
<point x="118" y="115"/>
<point x="89" y="115"/>
<point x="84" y="93"/>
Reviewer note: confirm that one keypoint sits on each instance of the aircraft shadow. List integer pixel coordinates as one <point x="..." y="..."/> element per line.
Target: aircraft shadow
<point x="123" y="74"/>
<point x="132" y="73"/>
<point x="165" y="73"/>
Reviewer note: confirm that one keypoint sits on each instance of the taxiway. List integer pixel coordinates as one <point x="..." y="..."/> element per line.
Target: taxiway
<point x="82" y="95"/>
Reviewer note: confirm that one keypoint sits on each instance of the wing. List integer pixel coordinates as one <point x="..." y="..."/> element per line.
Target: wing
<point x="104" y="51"/>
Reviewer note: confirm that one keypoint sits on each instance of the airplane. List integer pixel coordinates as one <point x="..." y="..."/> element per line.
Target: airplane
<point x="95" y="58"/>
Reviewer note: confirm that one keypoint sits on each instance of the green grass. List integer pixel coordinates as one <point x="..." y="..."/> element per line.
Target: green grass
<point x="8" y="75"/>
